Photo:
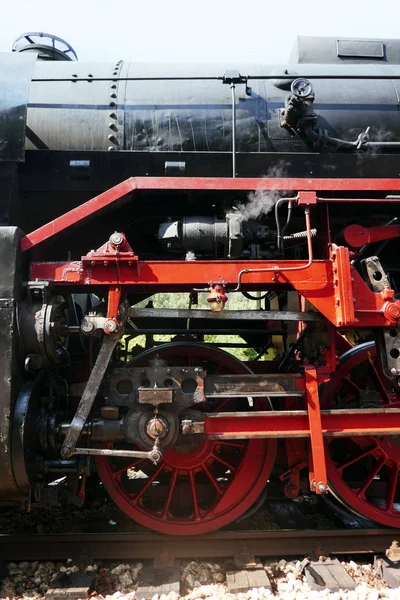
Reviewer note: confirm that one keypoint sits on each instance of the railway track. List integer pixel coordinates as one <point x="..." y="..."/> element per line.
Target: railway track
<point x="165" y="549"/>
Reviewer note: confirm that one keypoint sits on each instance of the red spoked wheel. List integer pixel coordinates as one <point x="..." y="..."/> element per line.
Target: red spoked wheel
<point x="200" y="485"/>
<point x="363" y="471"/>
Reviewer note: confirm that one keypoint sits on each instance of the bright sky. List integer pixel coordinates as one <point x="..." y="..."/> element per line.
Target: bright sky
<point x="202" y="30"/>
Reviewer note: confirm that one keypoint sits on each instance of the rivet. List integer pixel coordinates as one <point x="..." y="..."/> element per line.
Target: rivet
<point x="111" y="149"/>
<point x="112" y="115"/>
<point x="112" y="126"/>
<point x="112" y="103"/>
<point x="114" y="87"/>
<point x="113" y="95"/>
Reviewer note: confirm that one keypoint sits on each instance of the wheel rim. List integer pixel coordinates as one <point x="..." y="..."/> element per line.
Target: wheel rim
<point x="363" y="471"/>
<point x="200" y="485"/>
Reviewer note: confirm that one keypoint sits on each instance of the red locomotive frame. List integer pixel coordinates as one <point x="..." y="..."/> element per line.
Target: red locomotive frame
<point x="332" y="285"/>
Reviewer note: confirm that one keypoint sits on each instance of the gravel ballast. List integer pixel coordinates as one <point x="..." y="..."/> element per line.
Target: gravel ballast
<point x="204" y="580"/>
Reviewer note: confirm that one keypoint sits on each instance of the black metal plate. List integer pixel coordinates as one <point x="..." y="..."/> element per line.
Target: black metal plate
<point x="15" y="78"/>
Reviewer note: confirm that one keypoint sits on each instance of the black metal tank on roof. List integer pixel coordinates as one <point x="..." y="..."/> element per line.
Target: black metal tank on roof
<point x="84" y="126"/>
<point x="186" y="108"/>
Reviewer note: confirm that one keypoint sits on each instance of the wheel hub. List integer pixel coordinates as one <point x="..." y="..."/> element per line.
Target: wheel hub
<point x="157" y="427"/>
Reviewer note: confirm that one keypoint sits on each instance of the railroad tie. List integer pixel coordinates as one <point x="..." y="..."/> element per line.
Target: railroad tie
<point x="70" y="586"/>
<point x="328" y="574"/>
<point x="388" y="570"/>
<point x="244" y="579"/>
<point x="158" y="579"/>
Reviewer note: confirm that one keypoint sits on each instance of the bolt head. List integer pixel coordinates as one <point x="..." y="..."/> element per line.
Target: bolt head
<point x="157" y="428"/>
<point x="87" y="326"/>
<point x="116" y="238"/>
<point x="322" y="487"/>
<point x="110" y="326"/>
<point x="65" y="450"/>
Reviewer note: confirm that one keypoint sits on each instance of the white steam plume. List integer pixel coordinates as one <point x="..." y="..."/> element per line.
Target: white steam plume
<point x="260" y="202"/>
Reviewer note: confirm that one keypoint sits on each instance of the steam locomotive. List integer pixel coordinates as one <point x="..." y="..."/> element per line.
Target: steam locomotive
<point x="279" y="183"/>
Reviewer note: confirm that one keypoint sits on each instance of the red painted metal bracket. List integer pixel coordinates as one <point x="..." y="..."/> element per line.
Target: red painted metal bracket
<point x="350" y="303"/>
<point x="344" y="297"/>
<point x="123" y="189"/>
<point x="356" y="236"/>
<point x="318" y="478"/>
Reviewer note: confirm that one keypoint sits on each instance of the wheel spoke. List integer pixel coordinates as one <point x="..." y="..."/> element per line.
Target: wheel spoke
<point x="371" y="476"/>
<point x="232" y="444"/>
<point x="352" y="383"/>
<point x="379" y="381"/>
<point x="224" y="462"/>
<point x="392" y="486"/>
<point x="170" y="493"/>
<point x="369" y="450"/>
<point x="213" y="480"/>
<point x="148" y="483"/>
<point x="194" y="495"/>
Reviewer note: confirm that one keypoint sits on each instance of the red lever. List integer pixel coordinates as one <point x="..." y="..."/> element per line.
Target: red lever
<point x="356" y="236"/>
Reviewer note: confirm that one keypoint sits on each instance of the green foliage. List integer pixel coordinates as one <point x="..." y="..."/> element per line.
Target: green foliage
<point x="181" y="300"/>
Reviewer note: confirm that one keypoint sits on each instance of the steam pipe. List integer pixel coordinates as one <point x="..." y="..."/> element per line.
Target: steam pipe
<point x="322" y="137"/>
<point x="280" y="233"/>
<point x="286" y="269"/>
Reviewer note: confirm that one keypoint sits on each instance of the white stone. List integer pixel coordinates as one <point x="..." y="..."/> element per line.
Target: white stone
<point x="197" y="593"/>
<point x="119" y="569"/>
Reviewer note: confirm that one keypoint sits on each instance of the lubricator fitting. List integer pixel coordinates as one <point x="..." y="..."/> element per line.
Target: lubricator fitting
<point x="157" y="428"/>
<point x="392" y="310"/>
<point x="217" y="297"/>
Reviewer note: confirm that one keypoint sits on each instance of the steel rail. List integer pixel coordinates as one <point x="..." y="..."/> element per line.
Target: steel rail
<point x="150" y="545"/>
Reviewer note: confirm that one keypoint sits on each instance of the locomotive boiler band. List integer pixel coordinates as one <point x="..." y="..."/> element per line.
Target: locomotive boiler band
<point x="281" y="184"/>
